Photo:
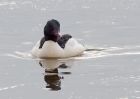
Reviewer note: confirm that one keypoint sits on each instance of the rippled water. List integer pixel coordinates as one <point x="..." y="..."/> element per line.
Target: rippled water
<point x="112" y="73"/>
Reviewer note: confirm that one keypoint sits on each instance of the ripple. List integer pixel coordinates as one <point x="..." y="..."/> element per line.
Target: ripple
<point x="12" y="87"/>
<point x="137" y="91"/>
<point x="20" y="55"/>
<point x="88" y="54"/>
<point x="7" y="3"/>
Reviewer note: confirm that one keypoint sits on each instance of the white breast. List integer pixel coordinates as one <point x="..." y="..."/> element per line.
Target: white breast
<point x="51" y="49"/>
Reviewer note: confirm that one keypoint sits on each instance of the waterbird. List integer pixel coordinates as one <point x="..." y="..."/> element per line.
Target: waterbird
<point x="54" y="45"/>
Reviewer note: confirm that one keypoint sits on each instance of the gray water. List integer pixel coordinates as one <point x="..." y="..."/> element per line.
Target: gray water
<point x="110" y="74"/>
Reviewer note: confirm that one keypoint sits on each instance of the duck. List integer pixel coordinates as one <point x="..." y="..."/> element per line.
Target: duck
<point x="55" y="45"/>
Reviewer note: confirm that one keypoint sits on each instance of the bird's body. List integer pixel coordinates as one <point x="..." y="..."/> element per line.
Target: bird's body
<point x="52" y="45"/>
<point x="51" y="49"/>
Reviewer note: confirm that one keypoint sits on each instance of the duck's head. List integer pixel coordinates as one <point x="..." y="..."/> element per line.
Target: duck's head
<point x="51" y="30"/>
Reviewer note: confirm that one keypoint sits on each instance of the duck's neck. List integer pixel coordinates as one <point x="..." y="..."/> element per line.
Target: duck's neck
<point x="53" y="37"/>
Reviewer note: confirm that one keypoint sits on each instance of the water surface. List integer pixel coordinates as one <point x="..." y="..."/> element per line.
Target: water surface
<point x="113" y="73"/>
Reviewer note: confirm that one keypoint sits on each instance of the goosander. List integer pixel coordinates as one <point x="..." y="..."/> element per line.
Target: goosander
<point x="54" y="45"/>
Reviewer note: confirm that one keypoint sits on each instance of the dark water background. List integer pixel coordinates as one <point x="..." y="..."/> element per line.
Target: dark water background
<point x="110" y="24"/>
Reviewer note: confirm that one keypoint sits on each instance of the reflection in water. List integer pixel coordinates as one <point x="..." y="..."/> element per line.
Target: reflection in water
<point x="63" y="66"/>
<point x="52" y="79"/>
<point x="52" y="76"/>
